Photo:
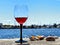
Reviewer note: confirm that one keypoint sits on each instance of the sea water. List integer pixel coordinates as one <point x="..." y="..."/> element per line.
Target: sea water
<point x="26" y="33"/>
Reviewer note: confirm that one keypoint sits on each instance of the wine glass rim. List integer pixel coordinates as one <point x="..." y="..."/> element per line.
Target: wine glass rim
<point x="18" y="6"/>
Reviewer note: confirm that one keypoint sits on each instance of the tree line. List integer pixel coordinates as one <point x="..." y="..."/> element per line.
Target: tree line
<point x="30" y="26"/>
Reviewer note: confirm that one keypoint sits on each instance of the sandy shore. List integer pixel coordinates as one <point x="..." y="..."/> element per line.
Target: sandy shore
<point x="40" y="42"/>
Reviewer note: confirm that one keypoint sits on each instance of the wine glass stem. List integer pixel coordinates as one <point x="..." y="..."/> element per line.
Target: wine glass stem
<point x="21" y="33"/>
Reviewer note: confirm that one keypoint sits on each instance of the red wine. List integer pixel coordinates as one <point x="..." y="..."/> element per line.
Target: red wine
<point x="21" y="20"/>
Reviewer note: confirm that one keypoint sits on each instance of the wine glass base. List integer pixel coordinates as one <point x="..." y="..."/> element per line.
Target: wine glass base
<point x="19" y="41"/>
<point x="23" y="43"/>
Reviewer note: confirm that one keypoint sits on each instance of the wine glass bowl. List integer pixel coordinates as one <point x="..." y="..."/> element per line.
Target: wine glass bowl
<point x="21" y="12"/>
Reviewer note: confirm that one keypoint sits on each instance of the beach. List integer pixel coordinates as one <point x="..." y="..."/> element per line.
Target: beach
<point x="37" y="42"/>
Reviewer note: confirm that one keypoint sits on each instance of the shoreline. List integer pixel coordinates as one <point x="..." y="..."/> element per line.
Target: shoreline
<point x="39" y="42"/>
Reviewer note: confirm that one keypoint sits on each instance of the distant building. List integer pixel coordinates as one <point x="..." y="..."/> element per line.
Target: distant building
<point x="58" y="26"/>
<point x="1" y="25"/>
<point x="6" y="26"/>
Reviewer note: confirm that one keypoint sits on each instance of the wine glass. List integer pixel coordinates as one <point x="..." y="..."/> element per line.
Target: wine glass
<point x="21" y="15"/>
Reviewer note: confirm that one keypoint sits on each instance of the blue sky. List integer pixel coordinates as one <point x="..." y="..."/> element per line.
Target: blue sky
<point x="40" y="11"/>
